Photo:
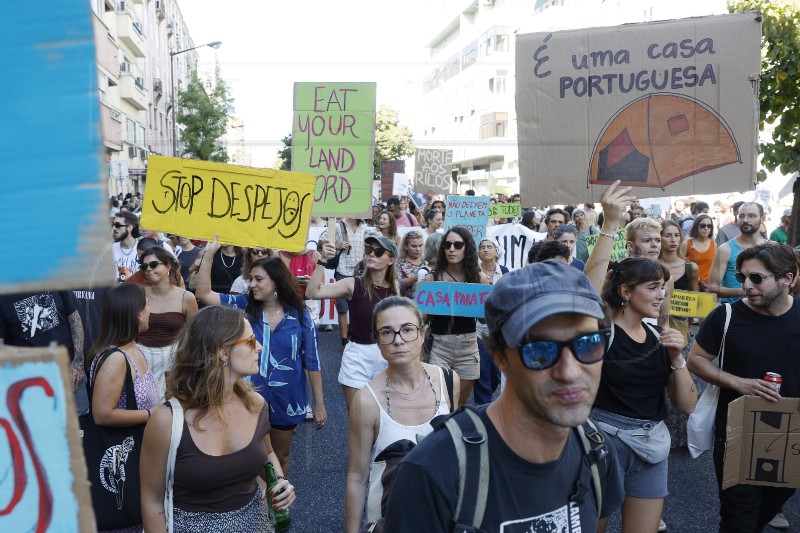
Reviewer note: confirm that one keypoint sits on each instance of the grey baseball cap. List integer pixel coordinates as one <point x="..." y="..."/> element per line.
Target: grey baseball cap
<point x="523" y="298"/>
<point x="384" y="242"/>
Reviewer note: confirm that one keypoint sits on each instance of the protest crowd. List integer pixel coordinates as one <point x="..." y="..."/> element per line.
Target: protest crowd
<point x="560" y="390"/>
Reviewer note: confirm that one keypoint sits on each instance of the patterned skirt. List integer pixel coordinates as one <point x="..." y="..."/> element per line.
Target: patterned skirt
<point x="251" y="518"/>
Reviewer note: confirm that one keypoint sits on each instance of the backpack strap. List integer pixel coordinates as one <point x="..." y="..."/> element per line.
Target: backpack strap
<point x="594" y="461"/>
<point x="687" y="268"/>
<point x="174" y="441"/>
<point x="448" y="383"/>
<point x="472" y="451"/>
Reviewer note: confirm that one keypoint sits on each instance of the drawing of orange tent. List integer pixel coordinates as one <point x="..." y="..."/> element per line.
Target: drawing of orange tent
<point x="659" y="139"/>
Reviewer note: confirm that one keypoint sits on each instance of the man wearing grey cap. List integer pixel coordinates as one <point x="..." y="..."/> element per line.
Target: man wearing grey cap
<point x="544" y="335"/>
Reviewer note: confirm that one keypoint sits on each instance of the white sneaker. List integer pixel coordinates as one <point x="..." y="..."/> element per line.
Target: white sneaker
<point x="779" y="522"/>
<point x="662" y="526"/>
<point x="309" y="412"/>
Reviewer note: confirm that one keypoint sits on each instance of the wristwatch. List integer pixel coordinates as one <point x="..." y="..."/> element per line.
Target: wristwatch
<point x="321" y="263"/>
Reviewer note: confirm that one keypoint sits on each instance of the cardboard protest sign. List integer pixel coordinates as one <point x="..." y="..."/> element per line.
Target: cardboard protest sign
<point x="400" y="185"/>
<point x="505" y="210"/>
<point x="762" y="446"/>
<point x="388" y="170"/>
<point x="452" y="299"/>
<point x="471" y="212"/>
<point x="667" y="107"/>
<point x="333" y="138"/>
<point x="54" y="190"/>
<point x="692" y="304"/>
<point x="516" y="241"/>
<point x="243" y="205"/>
<point x="433" y="170"/>
<point x="45" y="481"/>
<point x="619" y="250"/>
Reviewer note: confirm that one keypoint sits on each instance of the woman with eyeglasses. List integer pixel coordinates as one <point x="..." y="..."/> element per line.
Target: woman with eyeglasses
<point x="641" y="362"/>
<point x="397" y="404"/>
<point x="410" y="261"/>
<point x="219" y="466"/>
<point x="455" y="341"/>
<point x="242" y="283"/>
<point x="387" y="225"/>
<point x="170" y="307"/>
<point x="361" y="359"/>
<point x="700" y="248"/>
<point x="284" y="327"/>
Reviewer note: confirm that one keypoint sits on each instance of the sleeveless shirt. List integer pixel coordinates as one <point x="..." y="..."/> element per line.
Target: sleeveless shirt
<point x="361" y="309"/>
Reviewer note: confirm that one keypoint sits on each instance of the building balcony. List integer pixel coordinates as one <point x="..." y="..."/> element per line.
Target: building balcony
<point x="129" y="31"/>
<point x="131" y="89"/>
<point x="170" y="29"/>
<point x="106" y="50"/>
<point x="158" y="87"/>
<point x="111" y="127"/>
<point x="160" y="14"/>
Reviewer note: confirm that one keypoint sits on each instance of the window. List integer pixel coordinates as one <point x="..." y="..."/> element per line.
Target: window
<point x="495" y="40"/>
<point x="150" y="124"/>
<point x="142" y="139"/>
<point x="161" y="123"/>
<point x="497" y="85"/>
<point x="493" y="125"/>
<point x="469" y="54"/>
<point x="130" y="131"/>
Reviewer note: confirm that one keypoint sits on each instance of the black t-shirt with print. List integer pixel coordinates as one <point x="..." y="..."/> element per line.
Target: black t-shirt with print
<point x="755" y="344"/>
<point x="522" y="496"/>
<point x="37" y="319"/>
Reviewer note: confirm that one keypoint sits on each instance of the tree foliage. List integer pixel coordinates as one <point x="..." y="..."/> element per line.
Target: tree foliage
<point x="392" y="141"/>
<point x="779" y="88"/>
<point x="203" y="112"/>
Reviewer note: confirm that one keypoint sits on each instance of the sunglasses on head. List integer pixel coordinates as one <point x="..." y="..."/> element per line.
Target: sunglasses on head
<point x="151" y="264"/>
<point x="587" y="348"/>
<point x="377" y="250"/>
<point x="118" y="225"/>
<point x="705" y="226"/>
<point x="251" y="339"/>
<point x="258" y="252"/>
<point x="755" y="278"/>
<point x="450" y="244"/>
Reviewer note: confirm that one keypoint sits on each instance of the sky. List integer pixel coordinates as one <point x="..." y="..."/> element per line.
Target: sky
<point x="269" y="45"/>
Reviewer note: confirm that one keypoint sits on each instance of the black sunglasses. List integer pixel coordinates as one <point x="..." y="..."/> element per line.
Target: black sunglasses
<point x="377" y="250"/>
<point x="587" y="348"/>
<point x="705" y="226"/>
<point x="755" y="278"/>
<point x="151" y="264"/>
<point x="450" y="244"/>
<point x="118" y="225"/>
<point x="258" y="252"/>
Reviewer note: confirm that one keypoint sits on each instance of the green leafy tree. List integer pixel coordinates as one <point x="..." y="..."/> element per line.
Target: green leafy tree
<point x="779" y="88"/>
<point x="392" y="141"/>
<point x="285" y="154"/>
<point x="203" y="112"/>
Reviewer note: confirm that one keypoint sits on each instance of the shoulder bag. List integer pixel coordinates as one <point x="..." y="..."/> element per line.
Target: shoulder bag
<point x="174" y="441"/>
<point x="112" y="461"/>
<point x="700" y="427"/>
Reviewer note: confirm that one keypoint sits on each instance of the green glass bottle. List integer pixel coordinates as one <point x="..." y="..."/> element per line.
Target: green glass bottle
<point x="281" y="519"/>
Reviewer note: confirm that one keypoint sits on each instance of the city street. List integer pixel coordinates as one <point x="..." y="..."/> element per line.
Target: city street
<point x="319" y="467"/>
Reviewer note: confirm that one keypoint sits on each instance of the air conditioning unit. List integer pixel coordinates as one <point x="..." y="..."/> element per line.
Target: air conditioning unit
<point x="131" y="151"/>
<point x="121" y="6"/>
<point x="142" y="154"/>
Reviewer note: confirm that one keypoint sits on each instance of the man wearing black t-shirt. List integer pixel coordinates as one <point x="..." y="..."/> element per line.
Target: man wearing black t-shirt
<point x="762" y="337"/>
<point x="541" y="319"/>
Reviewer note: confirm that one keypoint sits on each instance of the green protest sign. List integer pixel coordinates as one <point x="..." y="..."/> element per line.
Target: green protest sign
<point x="333" y="138"/>
<point x="505" y="210"/>
<point x="620" y="249"/>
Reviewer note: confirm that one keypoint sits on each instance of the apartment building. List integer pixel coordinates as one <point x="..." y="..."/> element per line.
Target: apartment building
<point x="133" y="41"/>
<point x="468" y="91"/>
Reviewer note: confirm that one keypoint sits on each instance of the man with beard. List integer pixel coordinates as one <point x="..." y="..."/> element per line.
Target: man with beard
<point x="544" y="336"/>
<point x="722" y="279"/>
<point x="125" y="230"/>
<point x="761" y="338"/>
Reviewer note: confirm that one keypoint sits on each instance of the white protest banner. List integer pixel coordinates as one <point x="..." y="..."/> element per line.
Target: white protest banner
<point x="471" y="212"/>
<point x="666" y="107"/>
<point x="400" y="185"/>
<point x="516" y="241"/>
<point x="433" y="170"/>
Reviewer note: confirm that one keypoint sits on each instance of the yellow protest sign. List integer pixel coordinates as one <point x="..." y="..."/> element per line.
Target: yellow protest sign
<point x="245" y="206"/>
<point x="692" y="304"/>
<point x="620" y="249"/>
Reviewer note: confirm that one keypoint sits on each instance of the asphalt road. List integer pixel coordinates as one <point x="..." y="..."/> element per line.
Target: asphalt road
<point x="319" y="467"/>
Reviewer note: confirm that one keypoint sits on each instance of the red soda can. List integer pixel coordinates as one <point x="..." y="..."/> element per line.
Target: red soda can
<point x="775" y="380"/>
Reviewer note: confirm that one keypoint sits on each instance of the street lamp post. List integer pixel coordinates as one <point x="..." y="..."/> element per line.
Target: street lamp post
<point x="215" y="45"/>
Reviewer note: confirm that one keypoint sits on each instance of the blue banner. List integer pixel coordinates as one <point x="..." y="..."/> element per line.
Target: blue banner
<point x="452" y="299"/>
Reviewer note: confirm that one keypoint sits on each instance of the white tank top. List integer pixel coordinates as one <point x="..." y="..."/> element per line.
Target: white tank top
<point x="391" y="431"/>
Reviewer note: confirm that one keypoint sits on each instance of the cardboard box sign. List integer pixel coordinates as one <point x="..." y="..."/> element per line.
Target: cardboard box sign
<point x="763" y="443"/>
